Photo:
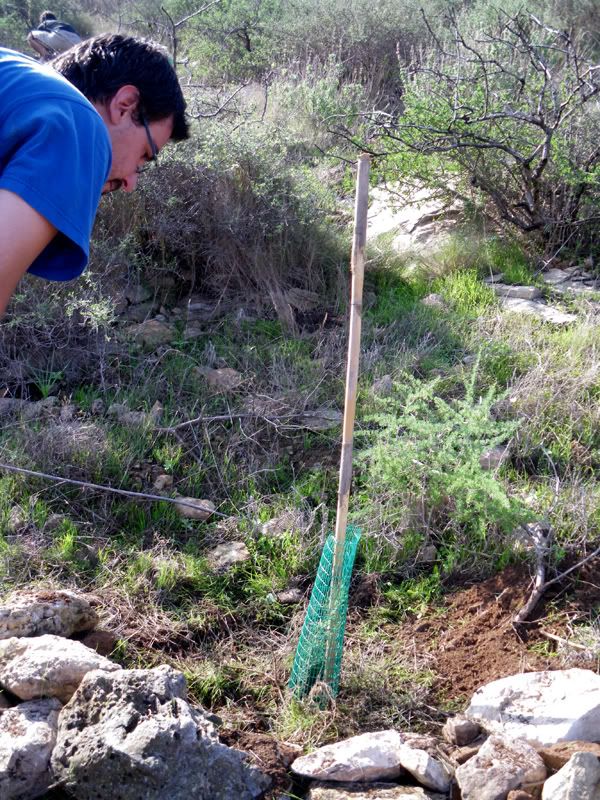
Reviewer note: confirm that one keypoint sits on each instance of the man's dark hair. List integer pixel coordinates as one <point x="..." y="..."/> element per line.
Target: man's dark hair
<point x="46" y="15"/>
<point x="98" y="67"/>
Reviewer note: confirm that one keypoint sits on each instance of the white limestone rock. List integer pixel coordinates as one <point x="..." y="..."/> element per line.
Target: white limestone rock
<point x="27" y="738"/>
<point x="579" y="779"/>
<point x="367" y="757"/>
<point x="542" y="707"/>
<point x="499" y="766"/>
<point x="369" y="791"/>
<point x="47" y="666"/>
<point x="428" y="771"/>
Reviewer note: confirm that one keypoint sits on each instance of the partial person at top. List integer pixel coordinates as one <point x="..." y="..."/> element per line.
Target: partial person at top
<point x="83" y="125"/>
<point x="52" y="36"/>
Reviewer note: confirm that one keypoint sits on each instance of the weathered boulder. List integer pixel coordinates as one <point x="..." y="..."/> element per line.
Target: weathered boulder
<point x="556" y="755"/>
<point x="367" y="757"/>
<point x="579" y="779"/>
<point x="37" y="612"/>
<point x="27" y="736"/>
<point x="499" y="766"/>
<point x="47" y="666"/>
<point x="370" y="791"/>
<point x="131" y="734"/>
<point x="542" y="707"/>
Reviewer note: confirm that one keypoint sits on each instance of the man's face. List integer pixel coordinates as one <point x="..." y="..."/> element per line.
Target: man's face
<point x="133" y="143"/>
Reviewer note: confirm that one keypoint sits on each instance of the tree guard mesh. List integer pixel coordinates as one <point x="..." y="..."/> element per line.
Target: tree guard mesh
<point x="324" y="613"/>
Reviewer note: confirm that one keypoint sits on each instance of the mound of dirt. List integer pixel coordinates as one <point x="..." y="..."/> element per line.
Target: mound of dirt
<point x="472" y="641"/>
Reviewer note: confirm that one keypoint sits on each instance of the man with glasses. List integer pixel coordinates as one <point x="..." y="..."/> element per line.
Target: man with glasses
<point x="85" y="124"/>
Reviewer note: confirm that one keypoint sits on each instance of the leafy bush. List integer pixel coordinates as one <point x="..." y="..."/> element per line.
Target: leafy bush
<point x="424" y="452"/>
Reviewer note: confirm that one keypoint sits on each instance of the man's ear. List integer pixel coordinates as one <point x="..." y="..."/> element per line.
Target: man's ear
<point x="123" y="104"/>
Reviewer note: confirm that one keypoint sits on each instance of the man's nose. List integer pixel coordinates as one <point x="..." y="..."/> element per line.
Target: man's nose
<point x="130" y="182"/>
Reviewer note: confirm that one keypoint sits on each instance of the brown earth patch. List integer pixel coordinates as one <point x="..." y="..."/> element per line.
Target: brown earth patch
<point x="472" y="640"/>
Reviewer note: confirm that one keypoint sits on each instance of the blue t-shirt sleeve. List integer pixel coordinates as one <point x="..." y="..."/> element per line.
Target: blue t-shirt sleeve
<point x="59" y="157"/>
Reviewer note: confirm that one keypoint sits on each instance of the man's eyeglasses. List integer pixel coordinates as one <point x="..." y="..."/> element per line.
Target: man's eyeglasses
<point x="153" y="147"/>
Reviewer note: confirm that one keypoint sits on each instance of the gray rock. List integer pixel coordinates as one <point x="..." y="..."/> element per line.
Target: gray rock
<point x="134" y="730"/>
<point x="517" y="292"/>
<point x="428" y="771"/>
<point x="46" y="666"/>
<point x="27" y="737"/>
<point x="371" y="791"/>
<point x="225" y="555"/>
<point x="138" y="313"/>
<point x="98" y="407"/>
<point x="499" y="766"/>
<point x="460" y="731"/>
<point x="538" y="309"/>
<point x="542" y="707"/>
<point x="33" y="613"/>
<point x="137" y="294"/>
<point x="323" y="419"/>
<point x="367" y="757"/>
<point x="555" y="276"/>
<point x="579" y="779"/>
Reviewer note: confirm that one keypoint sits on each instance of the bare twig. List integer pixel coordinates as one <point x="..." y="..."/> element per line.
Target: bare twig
<point x="98" y="487"/>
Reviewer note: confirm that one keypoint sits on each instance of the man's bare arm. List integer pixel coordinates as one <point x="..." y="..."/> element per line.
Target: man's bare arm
<point x="23" y="235"/>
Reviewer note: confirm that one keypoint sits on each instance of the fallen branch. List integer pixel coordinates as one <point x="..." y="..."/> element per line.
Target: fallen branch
<point x="140" y="495"/>
<point x="541" y="585"/>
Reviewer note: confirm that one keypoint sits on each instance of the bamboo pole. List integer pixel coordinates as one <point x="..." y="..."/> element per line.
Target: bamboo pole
<point x="357" y="265"/>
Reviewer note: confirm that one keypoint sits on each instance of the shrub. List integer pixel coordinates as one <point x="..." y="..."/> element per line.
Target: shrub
<point x="423" y="452"/>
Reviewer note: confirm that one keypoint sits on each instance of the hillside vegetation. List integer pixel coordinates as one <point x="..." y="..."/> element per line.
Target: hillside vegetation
<point x="249" y="222"/>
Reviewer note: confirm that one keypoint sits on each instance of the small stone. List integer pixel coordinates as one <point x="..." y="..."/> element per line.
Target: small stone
<point x="162" y="482"/>
<point x="227" y="554"/>
<point x="556" y="756"/>
<point x="137" y="294"/>
<point x="98" y="407"/>
<point x="435" y="301"/>
<point x="222" y="380"/>
<point x="151" y="334"/>
<point x="17" y="520"/>
<point x="194" y="508"/>
<point x="290" y="596"/>
<point x="460" y="731"/>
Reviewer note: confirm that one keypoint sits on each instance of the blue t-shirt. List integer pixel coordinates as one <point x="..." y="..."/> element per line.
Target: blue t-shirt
<point x="55" y="153"/>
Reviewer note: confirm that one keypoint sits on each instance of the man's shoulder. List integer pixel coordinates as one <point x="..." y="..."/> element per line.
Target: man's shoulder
<point x="23" y="80"/>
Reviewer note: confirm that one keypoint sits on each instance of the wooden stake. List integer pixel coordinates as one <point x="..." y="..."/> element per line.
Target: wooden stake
<point x="357" y="266"/>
